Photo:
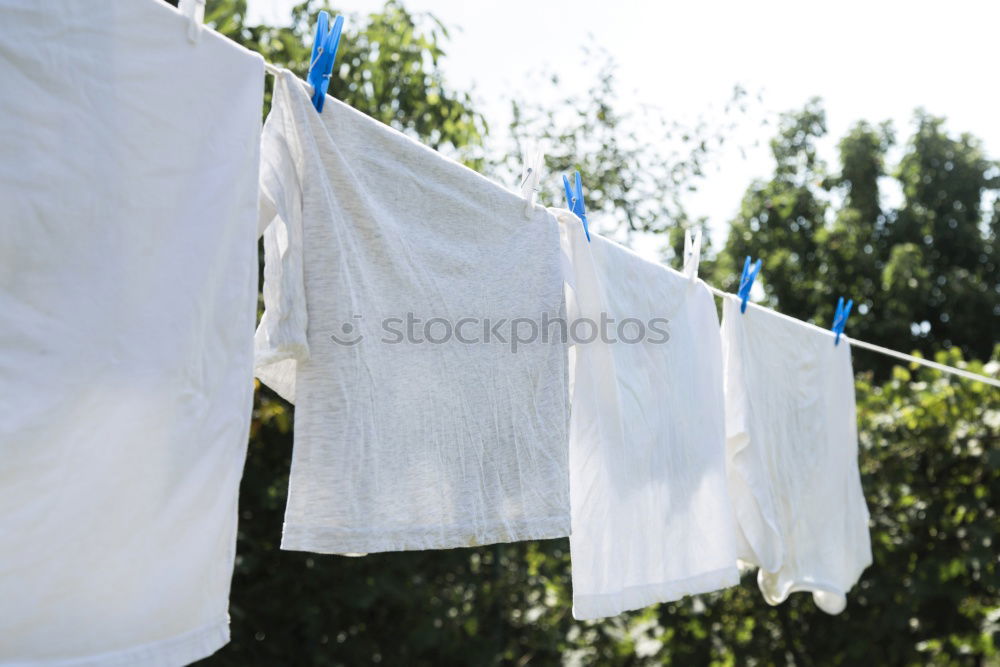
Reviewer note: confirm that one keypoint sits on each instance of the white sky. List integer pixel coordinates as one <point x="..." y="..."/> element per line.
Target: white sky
<point x="872" y="60"/>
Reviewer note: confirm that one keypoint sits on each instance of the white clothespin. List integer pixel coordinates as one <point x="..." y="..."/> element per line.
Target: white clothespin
<point x="692" y="252"/>
<point x="194" y="10"/>
<point x="531" y="175"/>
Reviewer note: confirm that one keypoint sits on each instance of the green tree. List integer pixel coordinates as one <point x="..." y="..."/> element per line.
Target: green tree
<point x="779" y="219"/>
<point x="944" y="179"/>
<point x="923" y="276"/>
<point x="856" y="242"/>
<point x="387" y="67"/>
<point x="636" y="165"/>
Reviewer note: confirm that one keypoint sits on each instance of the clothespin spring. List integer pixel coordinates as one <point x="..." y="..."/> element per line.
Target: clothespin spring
<point x="530" y="178"/>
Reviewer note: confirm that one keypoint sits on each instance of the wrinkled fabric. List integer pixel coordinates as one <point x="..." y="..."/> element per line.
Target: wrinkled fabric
<point x="792" y="451"/>
<point x="127" y="307"/>
<point x="652" y="520"/>
<point x="428" y="436"/>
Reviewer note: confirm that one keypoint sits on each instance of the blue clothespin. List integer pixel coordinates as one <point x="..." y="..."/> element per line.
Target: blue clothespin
<point x="746" y="282"/>
<point x="574" y="202"/>
<point x="324" y="54"/>
<point x="840" y="318"/>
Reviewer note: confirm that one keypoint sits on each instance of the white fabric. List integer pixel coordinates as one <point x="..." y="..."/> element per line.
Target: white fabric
<point x="792" y="450"/>
<point x="128" y="281"/>
<point x="406" y="445"/>
<point x="652" y="520"/>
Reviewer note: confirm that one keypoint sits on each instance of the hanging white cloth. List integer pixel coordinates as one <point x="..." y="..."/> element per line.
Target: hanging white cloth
<point x="652" y="521"/>
<point x="427" y="435"/>
<point x="792" y="448"/>
<point x="128" y="279"/>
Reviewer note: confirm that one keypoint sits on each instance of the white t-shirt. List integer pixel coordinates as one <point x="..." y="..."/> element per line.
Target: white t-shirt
<point x="652" y="520"/>
<point x="128" y="281"/>
<point x="416" y="425"/>
<point x="792" y="449"/>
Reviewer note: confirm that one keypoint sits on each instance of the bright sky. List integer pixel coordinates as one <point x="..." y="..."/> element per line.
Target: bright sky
<point x="872" y="60"/>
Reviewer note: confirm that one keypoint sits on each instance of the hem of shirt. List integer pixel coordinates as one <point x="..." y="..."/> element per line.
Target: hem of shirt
<point x="325" y="540"/>
<point x="803" y="584"/>
<point x="602" y="605"/>
<point x="174" y="651"/>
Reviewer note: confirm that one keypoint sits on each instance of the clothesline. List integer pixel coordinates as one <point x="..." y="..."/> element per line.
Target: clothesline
<point x="900" y="355"/>
<point x="274" y="69"/>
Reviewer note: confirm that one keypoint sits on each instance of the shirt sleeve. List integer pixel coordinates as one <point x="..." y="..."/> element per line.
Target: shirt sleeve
<point x="280" y="341"/>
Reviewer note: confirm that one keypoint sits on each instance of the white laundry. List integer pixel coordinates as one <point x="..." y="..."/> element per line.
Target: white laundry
<point x="128" y="281"/>
<point x="401" y="444"/>
<point x="652" y="520"/>
<point x="792" y="449"/>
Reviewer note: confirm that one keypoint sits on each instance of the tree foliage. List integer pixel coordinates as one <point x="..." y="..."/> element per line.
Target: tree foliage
<point x="930" y="446"/>
<point x="924" y="274"/>
<point x="387" y="67"/>
<point x="637" y="165"/>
